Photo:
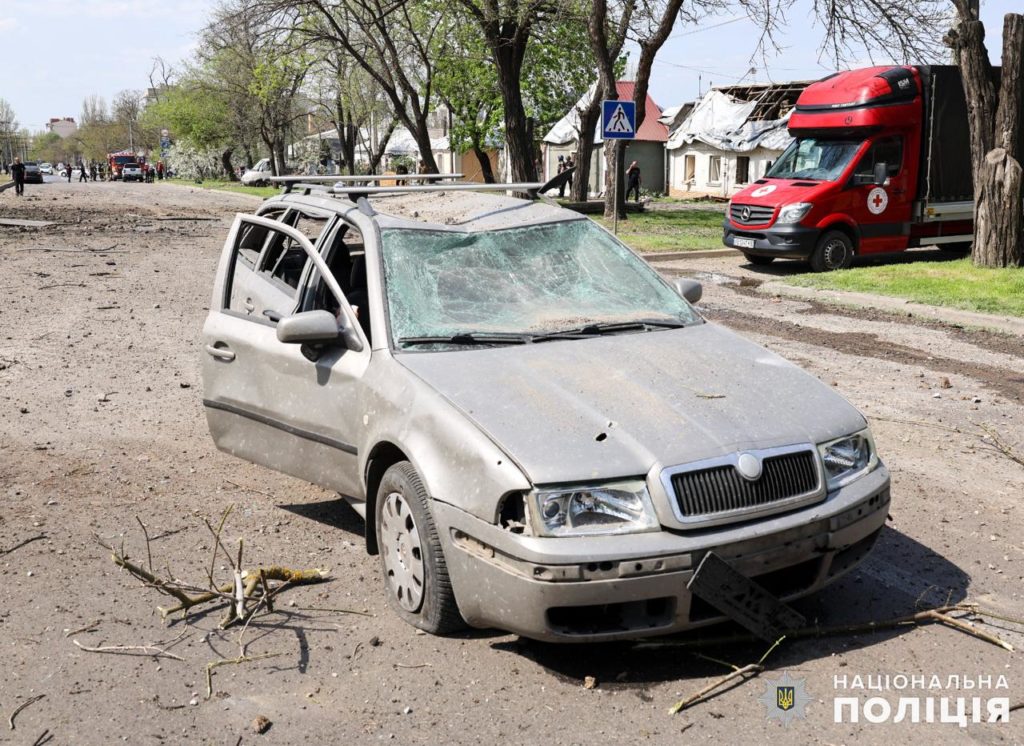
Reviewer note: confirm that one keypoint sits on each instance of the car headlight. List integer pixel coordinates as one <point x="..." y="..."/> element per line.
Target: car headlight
<point x="794" y="213"/>
<point x="612" y="508"/>
<point x="848" y="458"/>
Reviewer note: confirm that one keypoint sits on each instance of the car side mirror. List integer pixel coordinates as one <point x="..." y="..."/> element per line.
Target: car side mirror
<point x="881" y="174"/>
<point x="689" y="289"/>
<point x="309" y="327"/>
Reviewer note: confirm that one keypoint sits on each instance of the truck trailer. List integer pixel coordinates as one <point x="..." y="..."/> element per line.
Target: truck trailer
<point x="880" y="162"/>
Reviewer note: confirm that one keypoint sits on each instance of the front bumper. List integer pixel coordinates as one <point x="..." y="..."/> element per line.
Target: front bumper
<point x="583" y="589"/>
<point x="783" y="241"/>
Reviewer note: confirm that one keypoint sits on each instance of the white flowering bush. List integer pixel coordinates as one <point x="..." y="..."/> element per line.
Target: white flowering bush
<point x="190" y="162"/>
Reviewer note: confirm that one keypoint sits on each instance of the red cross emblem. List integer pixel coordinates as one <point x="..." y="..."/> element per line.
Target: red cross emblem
<point x="877" y="200"/>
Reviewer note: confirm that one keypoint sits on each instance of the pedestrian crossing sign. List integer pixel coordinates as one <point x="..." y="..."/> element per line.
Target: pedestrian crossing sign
<point x="618" y="120"/>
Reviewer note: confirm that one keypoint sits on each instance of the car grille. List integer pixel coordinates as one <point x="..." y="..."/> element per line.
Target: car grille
<point x="721" y="489"/>
<point x="751" y="214"/>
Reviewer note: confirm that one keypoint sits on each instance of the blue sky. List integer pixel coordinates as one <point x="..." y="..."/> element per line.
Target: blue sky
<point x="60" y="51"/>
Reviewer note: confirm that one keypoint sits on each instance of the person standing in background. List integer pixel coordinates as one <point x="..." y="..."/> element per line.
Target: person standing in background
<point x="633" y="180"/>
<point x="18" y="173"/>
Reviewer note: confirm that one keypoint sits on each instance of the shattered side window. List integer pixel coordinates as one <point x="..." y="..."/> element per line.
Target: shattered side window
<point x="538" y="279"/>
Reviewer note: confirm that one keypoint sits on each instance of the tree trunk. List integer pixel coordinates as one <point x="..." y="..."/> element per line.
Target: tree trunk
<point x="997" y="137"/>
<point x="508" y="57"/>
<point x="225" y="162"/>
<point x="485" y="163"/>
<point x="999" y="212"/>
<point x="422" y="137"/>
<point x="589" y="118"/>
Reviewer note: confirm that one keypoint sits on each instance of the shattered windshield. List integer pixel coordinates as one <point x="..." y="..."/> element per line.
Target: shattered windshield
<point x="811" y="158"/>
<point x="543" y="279"/>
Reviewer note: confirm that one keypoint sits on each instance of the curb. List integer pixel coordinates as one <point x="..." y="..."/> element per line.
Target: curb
<point x="671" y="256"/>
<point x="944" y="315"/>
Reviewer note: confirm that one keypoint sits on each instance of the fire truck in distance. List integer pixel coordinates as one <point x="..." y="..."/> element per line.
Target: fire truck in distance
<point x="116" y="161"/>
<point x="880" y="162"/>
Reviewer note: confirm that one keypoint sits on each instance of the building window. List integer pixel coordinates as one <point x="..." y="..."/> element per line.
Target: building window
<point x="742" y="169"/>
<point x="690" y="168"/>
<point x="715" y="169"/>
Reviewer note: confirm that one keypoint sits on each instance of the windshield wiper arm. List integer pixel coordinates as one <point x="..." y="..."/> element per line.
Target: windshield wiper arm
<point x="468" y="338"/>
<point x="609" y="327"/>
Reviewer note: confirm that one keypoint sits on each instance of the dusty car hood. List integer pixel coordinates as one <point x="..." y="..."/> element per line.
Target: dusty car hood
<point x="666" y="397"/>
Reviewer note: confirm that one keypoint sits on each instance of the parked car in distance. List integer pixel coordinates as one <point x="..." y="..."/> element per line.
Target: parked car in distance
<point x="541" y="433"/>
<point x="259" y="174"/>
<point x="32" y="173"/>
<point x="131" y="172"/>
<point x="46" y="168"/>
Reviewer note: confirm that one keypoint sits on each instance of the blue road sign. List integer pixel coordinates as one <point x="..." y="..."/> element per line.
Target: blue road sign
<point x="618" y="120"/>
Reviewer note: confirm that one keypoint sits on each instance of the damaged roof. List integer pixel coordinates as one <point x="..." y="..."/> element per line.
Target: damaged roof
<point x="741" y="118"/>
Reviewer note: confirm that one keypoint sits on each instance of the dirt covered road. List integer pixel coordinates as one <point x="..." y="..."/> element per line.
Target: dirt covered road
<point x="101" y="422"/>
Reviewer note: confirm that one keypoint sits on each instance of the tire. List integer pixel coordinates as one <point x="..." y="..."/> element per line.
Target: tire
<point x="412" y="560"/>
<point x="834" y="251"/>
<point x="758" y="260"/>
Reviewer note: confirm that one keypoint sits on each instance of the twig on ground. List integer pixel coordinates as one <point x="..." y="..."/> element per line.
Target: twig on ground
<point x="1000" y="444"/>
<point x="145" y="650"/>
<point x="44" y="738"/>
<point x="325" y="609"/>
<point x="412" y="665"/>
<point x="149" y="553"/>
<point x="19" y="545"/>
<point x="22" y="706"/>
<point x="87" y="628"/>
<point x="229" y="662"/>
<point x="753" y="669"/>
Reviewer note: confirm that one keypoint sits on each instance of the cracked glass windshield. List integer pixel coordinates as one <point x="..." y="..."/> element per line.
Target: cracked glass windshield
<point x="569" y="279"/>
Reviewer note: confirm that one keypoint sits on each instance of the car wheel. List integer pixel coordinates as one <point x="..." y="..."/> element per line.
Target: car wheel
<point x="758" y="260"/>
<point x="834" y="251"/>
<point x="412" y="560"/>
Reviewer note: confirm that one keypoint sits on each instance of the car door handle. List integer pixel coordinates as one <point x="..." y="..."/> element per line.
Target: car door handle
<point x="249" y="305"/>
<point x="221" y="353"/>
<point x="273" y="315"/>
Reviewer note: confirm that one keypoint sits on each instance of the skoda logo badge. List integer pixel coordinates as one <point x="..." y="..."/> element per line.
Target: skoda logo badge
<point x="749" y="467"/>
<point x="745" y="215"/>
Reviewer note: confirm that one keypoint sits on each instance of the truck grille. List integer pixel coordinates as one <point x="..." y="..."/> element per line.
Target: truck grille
<point x="720" y="489"/>
<point x="751" y="214"/>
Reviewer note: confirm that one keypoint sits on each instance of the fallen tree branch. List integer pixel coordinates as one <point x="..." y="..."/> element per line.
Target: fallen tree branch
<point x="230" y="662"/>
<point x="22" y="706"/>
<point x="1000" y="444"/>
<point x="753" y="669"/>
<point x="146" y="650"/>
<point x="19" y="545"/>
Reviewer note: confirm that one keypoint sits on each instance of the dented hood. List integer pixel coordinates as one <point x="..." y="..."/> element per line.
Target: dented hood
<point x="615" y="406"/>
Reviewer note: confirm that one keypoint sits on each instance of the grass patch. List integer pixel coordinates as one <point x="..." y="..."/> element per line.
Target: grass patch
<point x="957" y="284"/>
<point x="670" y="230"/>
<point x="223" y="185"/>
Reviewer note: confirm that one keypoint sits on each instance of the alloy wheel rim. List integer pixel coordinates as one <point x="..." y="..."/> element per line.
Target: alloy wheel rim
<point x="402" y="552"/>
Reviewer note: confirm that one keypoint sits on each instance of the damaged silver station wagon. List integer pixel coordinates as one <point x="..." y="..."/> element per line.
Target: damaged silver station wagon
<point x="541" y="432"/>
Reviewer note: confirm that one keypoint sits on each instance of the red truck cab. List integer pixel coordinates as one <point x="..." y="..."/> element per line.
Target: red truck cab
<point x="863" y="174"/>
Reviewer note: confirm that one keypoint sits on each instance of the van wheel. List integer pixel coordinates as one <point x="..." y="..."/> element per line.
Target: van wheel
<point x="758" y="260"/>
<point x="834" y="251"/>
<point x="415" y="574"/>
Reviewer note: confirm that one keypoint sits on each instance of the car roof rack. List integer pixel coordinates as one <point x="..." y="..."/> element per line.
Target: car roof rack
<point x="355" y="191"/>
<point x="311" y="182"/>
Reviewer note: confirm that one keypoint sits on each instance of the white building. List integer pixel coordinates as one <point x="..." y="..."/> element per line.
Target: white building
<point x="729" y="138"/>
<point x="63" y="126"/>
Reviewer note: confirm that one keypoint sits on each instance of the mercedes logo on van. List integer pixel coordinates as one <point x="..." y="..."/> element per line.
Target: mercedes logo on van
<point x="749" y="467"/>
<point x="745" y="215"/>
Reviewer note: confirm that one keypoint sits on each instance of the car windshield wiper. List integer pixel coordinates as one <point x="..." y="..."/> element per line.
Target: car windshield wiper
<point x="609" y="327"/>
<point x="469" y="338"/>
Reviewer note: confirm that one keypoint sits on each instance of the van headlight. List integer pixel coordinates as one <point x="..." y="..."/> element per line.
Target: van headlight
<point x="613" y="508"/>
<point x="794" y="213"/>
<point x="846" y="459"/>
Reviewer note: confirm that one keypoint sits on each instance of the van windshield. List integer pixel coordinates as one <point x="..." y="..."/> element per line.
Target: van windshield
<point x="814" y="159"/>
<point x="524" y="282"/>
